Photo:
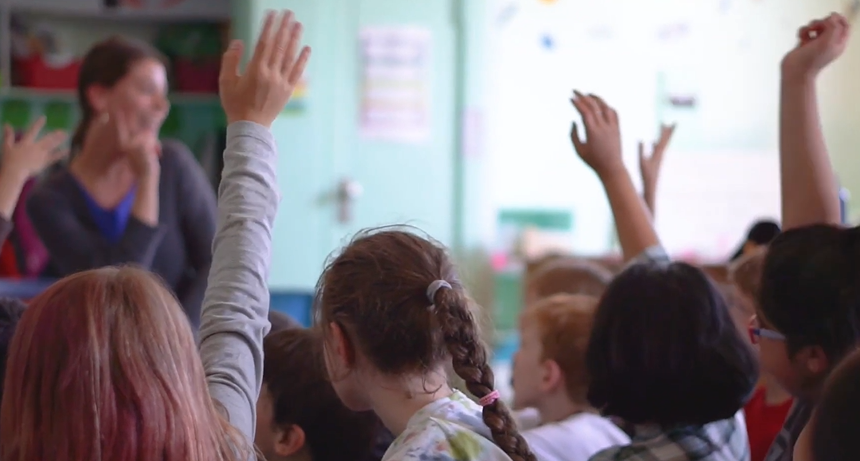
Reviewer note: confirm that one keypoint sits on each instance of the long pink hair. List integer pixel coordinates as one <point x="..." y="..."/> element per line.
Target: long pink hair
<point x="104" y="366"/>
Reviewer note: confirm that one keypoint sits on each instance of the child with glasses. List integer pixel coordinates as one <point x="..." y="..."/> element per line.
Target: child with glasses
<point x="808" y="315"/>
<point x="766" y="411"/>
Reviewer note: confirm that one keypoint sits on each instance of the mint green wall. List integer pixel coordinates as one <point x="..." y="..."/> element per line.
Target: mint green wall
<point x="474" y="219"/>
<point x="414" y="184"/>
<point x="299" y="227"/>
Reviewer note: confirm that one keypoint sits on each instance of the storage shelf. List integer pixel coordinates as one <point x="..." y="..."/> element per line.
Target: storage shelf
<point x="46" y="95"/>
<point x="122" y="14"/>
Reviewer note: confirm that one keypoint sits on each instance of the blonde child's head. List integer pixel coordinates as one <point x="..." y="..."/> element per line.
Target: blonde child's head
<point x="745" y="273"/>
<point x="549" y="368"/>
<point x="745" y="278"/>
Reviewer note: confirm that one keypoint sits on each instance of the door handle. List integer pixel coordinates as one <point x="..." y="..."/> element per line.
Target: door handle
<point x="348" y="190"/>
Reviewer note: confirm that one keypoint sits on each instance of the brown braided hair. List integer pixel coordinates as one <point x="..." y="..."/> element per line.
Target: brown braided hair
<point x="375" y="290"/>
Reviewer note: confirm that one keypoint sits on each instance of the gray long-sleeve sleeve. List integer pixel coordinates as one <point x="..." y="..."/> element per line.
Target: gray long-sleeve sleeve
<point x="236" y="304"/>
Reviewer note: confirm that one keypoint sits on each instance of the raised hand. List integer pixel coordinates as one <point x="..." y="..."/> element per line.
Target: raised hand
<point x="820" y="43"/>
<point x="30" y="155"/>
<point x="649" y="165"/>
<point x="602" y="152"/>
<point x="601" y="149"/>
<point x="261" y="93"/>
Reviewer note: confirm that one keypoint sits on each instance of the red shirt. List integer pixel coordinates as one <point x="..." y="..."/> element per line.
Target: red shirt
<point x="763" y="423"/>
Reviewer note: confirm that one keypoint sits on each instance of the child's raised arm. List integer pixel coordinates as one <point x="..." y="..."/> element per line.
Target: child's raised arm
<point x="602" y="152"/>
<point x="809" y="191"/>
<point x="23" y="159"/>
<point x="649" y="166"/>
<point x="235" y="307"/>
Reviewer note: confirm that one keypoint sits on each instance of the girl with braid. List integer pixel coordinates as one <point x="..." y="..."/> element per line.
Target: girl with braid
<point x="395" y="317"/>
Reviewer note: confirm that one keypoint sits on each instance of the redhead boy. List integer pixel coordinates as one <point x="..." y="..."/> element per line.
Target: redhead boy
<point x="549" y="375"/>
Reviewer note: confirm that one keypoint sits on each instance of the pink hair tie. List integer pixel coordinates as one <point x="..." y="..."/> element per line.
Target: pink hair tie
<point x="489" y="399"/>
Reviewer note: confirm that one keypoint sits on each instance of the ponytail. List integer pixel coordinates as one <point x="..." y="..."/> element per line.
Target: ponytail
<point x="80" y="134"/>
<point x="469" y="359"/>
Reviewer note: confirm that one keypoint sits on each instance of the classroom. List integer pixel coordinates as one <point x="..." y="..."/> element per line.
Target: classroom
<point x="551" y="230"/>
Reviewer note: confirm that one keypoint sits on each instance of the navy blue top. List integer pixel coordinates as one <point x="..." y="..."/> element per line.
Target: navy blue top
<point x="111" y="223"/>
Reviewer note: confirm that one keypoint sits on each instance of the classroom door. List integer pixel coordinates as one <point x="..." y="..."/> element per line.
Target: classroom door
<point x="323" y="148"/>
<point x="395" y="62"/>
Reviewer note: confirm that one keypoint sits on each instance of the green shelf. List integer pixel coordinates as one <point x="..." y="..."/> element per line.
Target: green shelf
<point x="60" y="115"/>
<point x="15" y="112"/>
<point x="48" y="95"/>
<point x="192" y="116"/>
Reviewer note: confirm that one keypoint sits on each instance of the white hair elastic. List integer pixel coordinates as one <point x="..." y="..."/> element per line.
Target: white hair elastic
<point x="433" y="288"/>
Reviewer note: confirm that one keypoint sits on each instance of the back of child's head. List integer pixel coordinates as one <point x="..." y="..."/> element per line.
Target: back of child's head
<point x="745" y="285"/>
<point x="761" y="233"/>
<point x="566" y="275"/>
<point x="837" y="417"/>
<point x="376" y="291"/>
<point x="664" y="349"/>
<point x="810" y="289"/>
<point x="296" y="380"/>
<point x="11" y="310"/>
<point x="281" y="321"/>
<point x="104" y="365"/>
<point x="564" y="322"/>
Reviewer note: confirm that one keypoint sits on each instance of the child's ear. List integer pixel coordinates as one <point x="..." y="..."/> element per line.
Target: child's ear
<point x="289" y="440"/>
<point x="749" y="247"/>
<point x="814" y="360"/>
<point x="341" y="345"/>
<point x="553" y="377"/>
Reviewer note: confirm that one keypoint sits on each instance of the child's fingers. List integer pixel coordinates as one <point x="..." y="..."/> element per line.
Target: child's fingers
<point x="263" y="50"/>
<point x="590" y="109"/>
<point x="230" y="63"/>
<point x="657" y="153"/>
<point x="57" y="155"/>
<point x="575" y="139"/>
<point x="817" y="28"/>
<point x="299" y="67"/>
<point x="667" y="131"/>
<point x="606" y="111"/>
<point x="33" y="131"/>
<point x="583" y="110"/>
<point x="665" y="137"/>
<point x="831" y="29"/>
<point x="52" y="140"/>
<point x="8" y="136"/>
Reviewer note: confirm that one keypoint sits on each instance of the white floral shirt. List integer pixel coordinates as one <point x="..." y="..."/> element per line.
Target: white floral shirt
<point x="449" y="429"/>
